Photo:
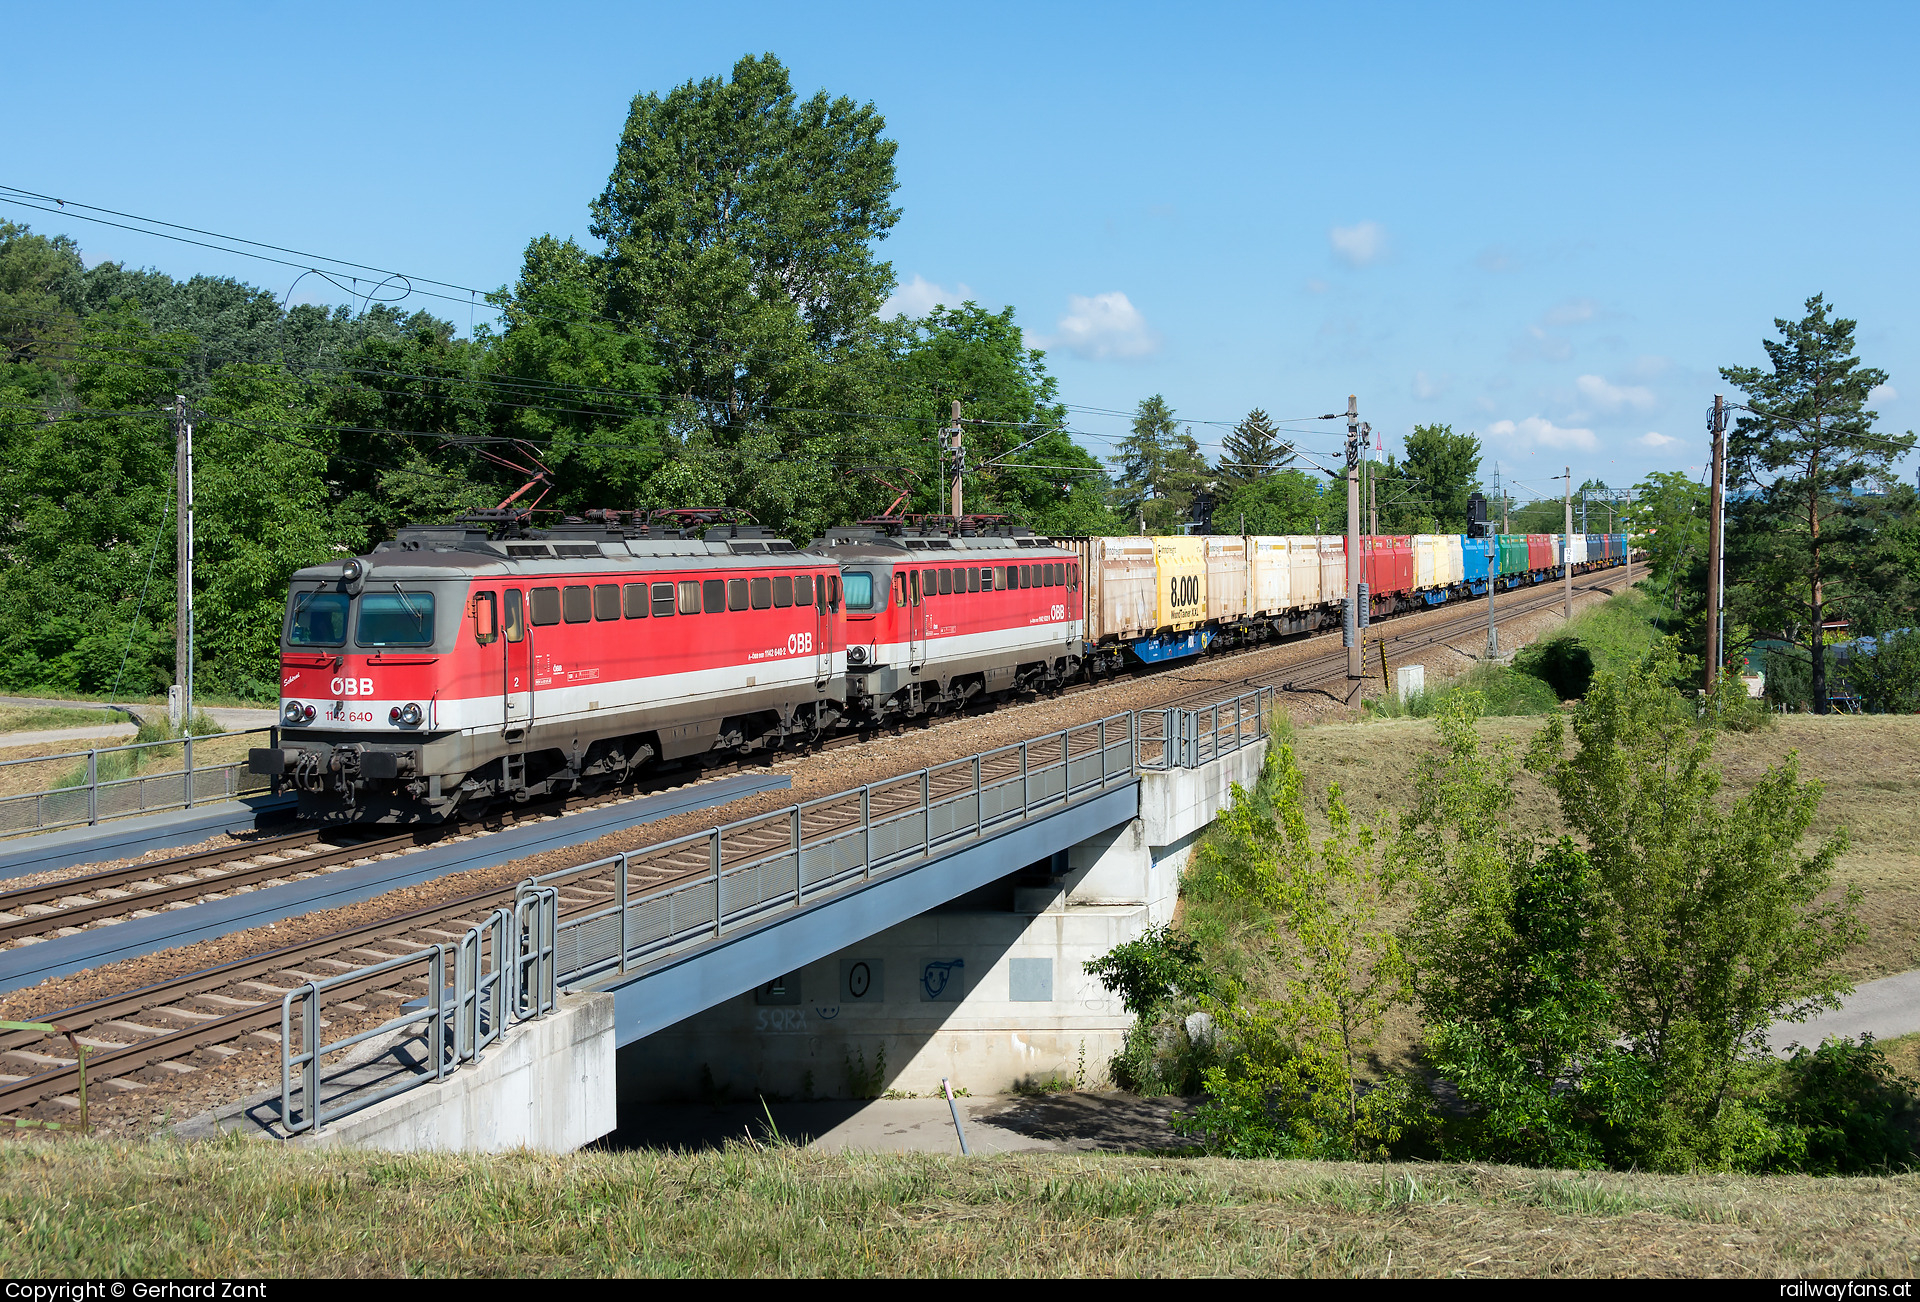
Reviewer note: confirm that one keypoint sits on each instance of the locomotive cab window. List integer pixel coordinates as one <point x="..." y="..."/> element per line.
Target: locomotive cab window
<point x="634" y="597"/>
<point x="860" y="591"/>
<point x="606" y="601"/>
<point x="395" y="618"/>
<point x="319" y="619"/>
<point x="803" y="589"/>
<point x="577" y="604"/>
<point x="782" y="591"/>
<point x="544" y="605"/>
<point x="486" y="618"/>
<point x="515" y="617"/>
<point x="762" y="592"/>
<point x="662" y="600"/>
<point x="899" y="587"/>
<point x="714" y="593"/>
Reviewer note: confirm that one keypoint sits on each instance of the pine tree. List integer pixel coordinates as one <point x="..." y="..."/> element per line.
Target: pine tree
<point x="1252" y="449"/>
<point x="1806" y="441"/>
<point x="1143" y="456"/>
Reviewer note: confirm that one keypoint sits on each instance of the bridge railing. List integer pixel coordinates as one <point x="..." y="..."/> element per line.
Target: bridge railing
<point x="85" y="787"/>
<point x="1180" y="738"/>
<point x="627" y="910"/>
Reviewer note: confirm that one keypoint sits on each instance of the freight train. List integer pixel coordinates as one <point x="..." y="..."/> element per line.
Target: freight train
<point x="461" y="667"/>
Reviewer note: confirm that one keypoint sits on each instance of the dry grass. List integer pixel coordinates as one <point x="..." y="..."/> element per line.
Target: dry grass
<point x="165" y="1209"/>
<point x="153" y="761"/>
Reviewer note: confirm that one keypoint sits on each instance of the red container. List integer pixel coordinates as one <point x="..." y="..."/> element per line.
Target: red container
<point x="1540" y="551"/>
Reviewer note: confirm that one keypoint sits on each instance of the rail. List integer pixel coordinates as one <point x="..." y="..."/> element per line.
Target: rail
<point x="627" y="910"/>
<point x="106" y="782"/>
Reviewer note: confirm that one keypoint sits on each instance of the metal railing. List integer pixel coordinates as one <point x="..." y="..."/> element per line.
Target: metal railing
<point x="1176" y="738"/>
<point x="90" y="796"/>
<point x="630" y="909"/>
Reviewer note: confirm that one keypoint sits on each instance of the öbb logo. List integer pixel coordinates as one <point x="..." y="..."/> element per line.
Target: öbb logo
<point x="352" y="687"/>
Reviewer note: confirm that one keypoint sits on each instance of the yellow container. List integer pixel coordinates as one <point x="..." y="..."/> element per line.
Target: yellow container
<point x="1181" y="566"/>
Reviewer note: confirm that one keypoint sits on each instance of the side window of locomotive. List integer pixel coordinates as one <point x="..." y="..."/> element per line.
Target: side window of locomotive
<point x="803" y="590"/>
<point x="516" y="621"/>
<point x="999" y="578"/>
<point x="762" y="591"/>
<point x="972" y="573"/>
<point x="544" y="605"/>
<point x="486" y="618"/>
<point x="1026" y="576"/>
<point x="577" y="603"/>
<point x="634" y="598"/>
<point x="946" y="582"/>
<point x="899" y="587"/>
<point x="913" y="586"/>
<point x="1073" y="575"/>
<point x="662" y="600"/>
<point x="689" y="596"/>
<point x="833" y="591"/>
<point x="395" y="618"/>
<point x="713" y="592"/>
<point x="736" y="594"/>
<point x="606" y="601"/>
<point x="319" y="619"/>
<point x="782" y="591"/>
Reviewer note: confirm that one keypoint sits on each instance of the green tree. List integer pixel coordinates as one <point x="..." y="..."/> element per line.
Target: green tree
<point x="1668" y="521"/>
<point x="1440" y="472"/>
<point x="740" y="223"/>
<point x="1280" y="503"/>
<point x="1294" y="1085"/>
<point x="1252" y="450"/>
<point x="1805" y="441"/>
<point x="1161" y="469"/>
<point x="1713" y="923"/>
<point x="1502" y="941"/>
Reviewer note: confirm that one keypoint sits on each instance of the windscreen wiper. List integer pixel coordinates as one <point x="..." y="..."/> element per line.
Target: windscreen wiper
<point x="417" y="617"/>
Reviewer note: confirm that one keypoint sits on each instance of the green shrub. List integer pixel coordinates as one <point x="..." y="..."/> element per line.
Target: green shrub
<point x="1840" y="1110"/>
<point x="1562" y="663"/>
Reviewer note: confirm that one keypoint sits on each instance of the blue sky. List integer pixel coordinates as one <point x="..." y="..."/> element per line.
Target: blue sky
<point x="1548" y="225"/>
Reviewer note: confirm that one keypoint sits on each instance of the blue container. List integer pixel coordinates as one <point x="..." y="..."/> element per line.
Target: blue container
<point x="1477" y="555"/>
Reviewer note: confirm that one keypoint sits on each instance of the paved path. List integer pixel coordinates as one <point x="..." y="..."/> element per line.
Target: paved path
<point x="1886" y="1008"/>
<point x="231" y="718"/>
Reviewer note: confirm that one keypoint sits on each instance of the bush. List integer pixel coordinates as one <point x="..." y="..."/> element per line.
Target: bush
<point x="1562" y="663"/>
<point x="1840" y="1110"/>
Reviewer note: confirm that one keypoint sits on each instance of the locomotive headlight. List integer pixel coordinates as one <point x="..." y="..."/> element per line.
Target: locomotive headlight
<point x="856" y="655"/>
<point x="352" y="571"/>
<point x="293" y="712"/>
<point x="408" y="714"/>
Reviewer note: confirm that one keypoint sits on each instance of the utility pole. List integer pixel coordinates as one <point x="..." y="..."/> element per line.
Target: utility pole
<point x="180" y="698"/>
<point x="954" y="434"/>
<point x="1355" y="652"/>
<point x="1583" y="509"/>
<point x="1493" y="569"/>
<point x="1373" y="509"/>
<point x="1566" y="545"/>
<point x="1715" y="540"/>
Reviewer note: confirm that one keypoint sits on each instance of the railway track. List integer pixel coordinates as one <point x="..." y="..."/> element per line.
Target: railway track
<point x="161" y="1034"/>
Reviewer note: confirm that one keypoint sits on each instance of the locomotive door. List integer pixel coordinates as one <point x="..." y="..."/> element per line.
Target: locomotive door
<point x="916" y="622"/>
<point x="517" y="680"/>
<point x="822" y="630"/>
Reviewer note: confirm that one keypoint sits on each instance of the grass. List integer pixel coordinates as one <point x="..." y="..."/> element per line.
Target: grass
<point x="86" y="1208"/>
<point x="36" y="718"/>
<point x="201" y="699"/>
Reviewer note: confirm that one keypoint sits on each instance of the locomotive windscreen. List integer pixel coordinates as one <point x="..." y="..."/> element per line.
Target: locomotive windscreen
<point x="859" y="590"/>
<point x="319" y="619"/>
<point x="395" y="619"/>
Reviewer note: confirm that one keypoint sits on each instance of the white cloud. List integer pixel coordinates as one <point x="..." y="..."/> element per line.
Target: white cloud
<point x="1543" y="433"/>
<point x="1427" y="387"/>
<point x="1653" y="440"/>
<point x="920" y="296"/>
<point x="1359" y="245"/>
<point x="1614" y="397"/>
<point x="1104" y="326"/>
<point x="1316" y="286"/>
<point x="1882" y="393"/>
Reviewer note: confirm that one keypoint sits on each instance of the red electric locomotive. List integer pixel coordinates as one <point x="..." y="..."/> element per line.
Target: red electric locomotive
<point x="461" y="665"/>
<point x="943" y="611"/>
